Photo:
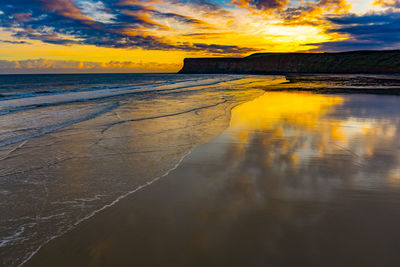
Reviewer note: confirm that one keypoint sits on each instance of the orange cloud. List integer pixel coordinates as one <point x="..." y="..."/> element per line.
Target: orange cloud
<point x="312" y="13"/>
<point x="387" y="3"/>
<point x="65" y="8"/>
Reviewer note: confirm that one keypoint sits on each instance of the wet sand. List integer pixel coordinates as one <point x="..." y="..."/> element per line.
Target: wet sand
<point x="297" y="179"/>
<point x="75" y="161"/>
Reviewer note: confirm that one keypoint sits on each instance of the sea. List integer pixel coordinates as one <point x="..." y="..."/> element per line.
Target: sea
<point x="266" y="155"/>
<point x="74" y="144"/>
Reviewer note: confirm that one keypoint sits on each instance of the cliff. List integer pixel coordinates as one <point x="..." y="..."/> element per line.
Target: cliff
<point x="282" y="63"/>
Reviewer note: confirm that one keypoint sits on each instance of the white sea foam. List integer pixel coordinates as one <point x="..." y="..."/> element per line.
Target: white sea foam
<point x="20" y="127"/>
<point x="27" y="123"/>
<point x="28" y="100"/>
<point x="46" y="172"/>
<point x="118" y="199"/>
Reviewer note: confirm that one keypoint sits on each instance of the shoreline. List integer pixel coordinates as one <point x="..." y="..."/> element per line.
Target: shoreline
<point x="392" y="91"/>
<point x="94" y="167"/>
<point x="292" y="90"/>
<point x="380" y="84"/>
<point x="227" y="204"/>
<point x="116" y="201"/>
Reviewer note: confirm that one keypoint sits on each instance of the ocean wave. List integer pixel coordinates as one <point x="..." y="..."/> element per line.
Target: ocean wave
<point x="17" y="102"/>
<point x="29" y="115"/>
<point x="40" y="173"/>
<point x="21" y="127"/>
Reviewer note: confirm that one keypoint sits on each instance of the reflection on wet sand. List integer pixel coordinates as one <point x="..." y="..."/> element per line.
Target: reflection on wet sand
<point x="50" y="183"/>
<point x="297" y="179"/>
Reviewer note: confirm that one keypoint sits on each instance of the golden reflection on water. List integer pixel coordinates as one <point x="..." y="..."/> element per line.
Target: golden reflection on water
<point x="299" y="127"/>
<point x="272" y="108"/>
<point x="296" y="174"/>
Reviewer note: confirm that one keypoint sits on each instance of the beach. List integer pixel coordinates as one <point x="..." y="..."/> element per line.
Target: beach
<point x="245" y="171"/>
<point x="68" y="153"/>
<point x="200" y="133"/>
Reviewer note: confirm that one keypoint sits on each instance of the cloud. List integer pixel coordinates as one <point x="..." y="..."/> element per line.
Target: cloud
<point x="97" y="11"/>
<point x="218" y="49"/>
<point x="107" y="23"/>
<point x="13" y="42"/>
<point x="387" y="3"/>
<point x="374" y="30"/>
<point x="71" y="66"/>
<point x="295" y="13"/>
<point x="181" y="18"/>
<point x="261" y="4"/>
<point x="203" y="6"/>
<point x="313" y="13"/>
<point x="202" y="27"/>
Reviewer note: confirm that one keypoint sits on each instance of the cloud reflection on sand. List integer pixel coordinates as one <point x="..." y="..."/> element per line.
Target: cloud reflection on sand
<point x="297" y="179"/>
<point x="300" y="130"/>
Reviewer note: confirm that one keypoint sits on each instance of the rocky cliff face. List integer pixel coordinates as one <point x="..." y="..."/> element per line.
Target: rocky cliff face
<point x="282" y="63"/>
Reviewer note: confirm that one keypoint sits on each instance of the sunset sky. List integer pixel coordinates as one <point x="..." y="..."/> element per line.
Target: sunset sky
<point x="38" y="36"/>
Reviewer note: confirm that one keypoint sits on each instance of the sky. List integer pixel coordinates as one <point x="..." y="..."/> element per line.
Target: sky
<point x="79" y="36"/>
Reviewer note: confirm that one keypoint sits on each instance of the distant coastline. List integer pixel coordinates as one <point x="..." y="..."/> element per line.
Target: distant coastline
<point x="352" y="62"/>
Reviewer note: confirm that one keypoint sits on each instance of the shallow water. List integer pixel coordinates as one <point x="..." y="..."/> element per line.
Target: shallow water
<point x="66" y="154"/>
<point x="297" y="179"/>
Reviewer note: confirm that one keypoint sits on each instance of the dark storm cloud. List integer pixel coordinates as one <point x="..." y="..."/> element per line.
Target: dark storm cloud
<point x="369" y="31"/>
<point x="65" y="22"/>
